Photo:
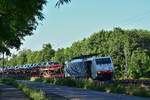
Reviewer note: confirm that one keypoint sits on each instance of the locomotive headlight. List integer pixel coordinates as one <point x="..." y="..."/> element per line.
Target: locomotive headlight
<point x="99" y="72"/>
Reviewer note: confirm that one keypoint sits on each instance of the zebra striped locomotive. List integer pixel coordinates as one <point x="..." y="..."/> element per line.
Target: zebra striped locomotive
<point x="93" y="67"/>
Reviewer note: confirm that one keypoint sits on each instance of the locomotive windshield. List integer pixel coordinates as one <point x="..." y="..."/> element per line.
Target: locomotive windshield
<point x="103" y="61"/>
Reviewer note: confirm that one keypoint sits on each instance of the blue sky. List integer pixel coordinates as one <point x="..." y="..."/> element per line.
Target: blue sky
<point x="80" y="18"/>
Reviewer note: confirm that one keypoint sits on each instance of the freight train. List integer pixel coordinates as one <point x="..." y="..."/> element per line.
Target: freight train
<point x="94" y="67"/>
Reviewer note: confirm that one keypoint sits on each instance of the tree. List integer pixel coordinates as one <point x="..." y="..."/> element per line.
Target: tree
<point x="47" y="52"/>
<point x="18" y="18"/>
<point x="61" y="2"/>
<point x="59" y="56"/>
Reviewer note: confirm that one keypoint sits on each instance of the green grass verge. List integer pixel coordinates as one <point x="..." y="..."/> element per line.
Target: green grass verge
<point x="136" y="90"/>
<point x="33" y="93"/>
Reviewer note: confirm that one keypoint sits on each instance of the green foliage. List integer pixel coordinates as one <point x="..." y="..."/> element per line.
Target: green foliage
<point x="57" y="81"/>
<point x="34" y="94"/>
<point x="8" y="81"/>
<point x="26" y="56"/>
<point x="59" y="56"/>
<point x="47" y="52"/>
<point x="129" y="49"/>
<point x="61" y="2"/>
<point x="18" y="18"/>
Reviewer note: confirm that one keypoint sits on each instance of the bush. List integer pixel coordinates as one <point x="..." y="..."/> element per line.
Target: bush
<point x="39" y="79"/>
<point x="142" y="91"/>
<point x="115" y="88"/>
<point x="9" y="81"/>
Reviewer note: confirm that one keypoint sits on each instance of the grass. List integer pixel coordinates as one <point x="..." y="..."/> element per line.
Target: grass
<point x="136" y="90"/>
<point x="33" y="93"/>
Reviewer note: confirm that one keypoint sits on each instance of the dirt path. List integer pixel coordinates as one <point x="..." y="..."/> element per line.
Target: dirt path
<point x="10" y="93"/>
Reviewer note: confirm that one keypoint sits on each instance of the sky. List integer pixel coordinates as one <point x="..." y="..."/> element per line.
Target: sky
<point x="80" y="18"/>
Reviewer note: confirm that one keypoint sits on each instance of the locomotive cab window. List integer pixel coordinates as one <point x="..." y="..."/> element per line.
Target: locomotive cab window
<point x="103" y="61"/>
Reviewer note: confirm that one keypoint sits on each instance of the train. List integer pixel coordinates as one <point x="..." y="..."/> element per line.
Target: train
<point x="94" y="67"/>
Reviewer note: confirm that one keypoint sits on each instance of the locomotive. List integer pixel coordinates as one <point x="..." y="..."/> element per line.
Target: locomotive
<point x="94" y="67"/>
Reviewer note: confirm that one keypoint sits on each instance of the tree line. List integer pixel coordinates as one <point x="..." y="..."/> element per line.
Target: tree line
<point x="129" y="49"/>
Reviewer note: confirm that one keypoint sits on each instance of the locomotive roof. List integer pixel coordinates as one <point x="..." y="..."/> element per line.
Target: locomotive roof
<point x="79" y="59"/>
<point x="84" y="56"/>
<point x="76" y="60"/>
<point x="90" y="56"/>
